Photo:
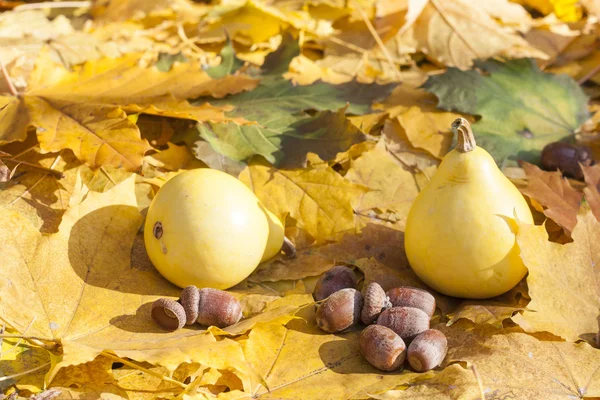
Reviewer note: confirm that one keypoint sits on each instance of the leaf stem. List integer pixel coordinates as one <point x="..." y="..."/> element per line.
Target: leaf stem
<point x="465" y="139"/>
<point x="11" y="88"/>
<point x="139" y="368"/>
<point x="589" y="75"/>
<point x="29" y="371"/>
<point x="380" y="43"/>
<point x="54" y="172"/>
<point x="479" y="381"/>
<point x="56" y="4"/>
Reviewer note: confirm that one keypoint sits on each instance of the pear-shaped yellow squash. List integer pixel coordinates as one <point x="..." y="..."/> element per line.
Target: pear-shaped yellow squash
<point x="460" y="232"/>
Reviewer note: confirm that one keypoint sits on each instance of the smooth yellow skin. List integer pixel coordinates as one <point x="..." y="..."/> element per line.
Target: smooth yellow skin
<point x="214" y="230"/>
<point x="460" y="232"/>
<point x="276" y="235"/>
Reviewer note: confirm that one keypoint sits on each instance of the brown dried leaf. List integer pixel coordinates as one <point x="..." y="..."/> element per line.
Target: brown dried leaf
<point x="552" y="194"/>
<point x="592" y="181"/>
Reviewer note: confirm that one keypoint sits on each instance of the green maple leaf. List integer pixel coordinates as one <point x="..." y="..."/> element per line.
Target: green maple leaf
<point x="522" y="108"/>
<point x="283" y="129"/>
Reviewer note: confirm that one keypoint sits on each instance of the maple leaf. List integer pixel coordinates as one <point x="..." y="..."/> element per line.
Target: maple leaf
<point x="331" y="367"/>
<point x="103" y="304"/>
<point x="562" y="280"/>
<point x="319" y="199"/>
<point x="553" y="195"/>
<point x="592" y="195"/>
<point x="84" y="110"/>
<point x="425" y="126"/>
<point x="566" y="10"/>
<point x="393" y="186"/>
<point x="450" y="32"/>
<point x="508" y="364"/>
<point x="277" y="106"/>
<point x="522" y="109"/>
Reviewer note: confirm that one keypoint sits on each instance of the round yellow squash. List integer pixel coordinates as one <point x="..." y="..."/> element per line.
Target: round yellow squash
<point x="460" y="232"/>
<point x="205" y="228"/>
<point x="276" y="236"/>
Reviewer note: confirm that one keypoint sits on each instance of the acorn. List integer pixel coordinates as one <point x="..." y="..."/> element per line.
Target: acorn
<point x="218" y="308"/>
<point x="190" y="299"/>
<point x="375" y="301"/>
<point x="337" y="278"/>
<point x="168" y="314"/>
<point x="407" y="322"/>
<point x="407" y="296"/>
<point x="566" y="157"/>
<point x="382" y="347"/>
<point x="340" y="311"/>
<point x="427" y="350"/>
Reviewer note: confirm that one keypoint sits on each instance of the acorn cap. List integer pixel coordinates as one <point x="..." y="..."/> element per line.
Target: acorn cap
<point x="168" y="314"/>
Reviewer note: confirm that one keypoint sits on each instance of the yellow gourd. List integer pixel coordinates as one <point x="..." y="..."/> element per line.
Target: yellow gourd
<point x="460" y="232"/>
<point x="276" y="236"/>
<point x="205" y="228"/>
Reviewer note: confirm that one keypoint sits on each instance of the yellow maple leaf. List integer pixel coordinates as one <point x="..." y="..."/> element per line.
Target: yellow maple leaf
<point x="456" y="32"/>
<point x="562" y="280"/>
<point x="566" y="10"/>
<point x="507" y="363"/>
<point x="103" y="304"/>
<point x="319" y="199"/>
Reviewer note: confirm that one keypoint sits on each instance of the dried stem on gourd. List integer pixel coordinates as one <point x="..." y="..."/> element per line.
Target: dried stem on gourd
<point x="465" y="140"/>
<point x="288" y="248"/>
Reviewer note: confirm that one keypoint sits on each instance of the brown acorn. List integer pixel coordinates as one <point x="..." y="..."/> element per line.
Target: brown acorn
<point x="168" y="314"/>
<point x="407" y="322"/>
<point x="382" y="347"/>
<point x="375" y="301"/>
<point x="407" y="296"/>
<point x="189" y="299"/>
<point x="218" y="308"/>
<point x="340" y="311"/>
<point x="566" y="158"/>
<point x="427" y="350"/>
<point x="337" y="278"/>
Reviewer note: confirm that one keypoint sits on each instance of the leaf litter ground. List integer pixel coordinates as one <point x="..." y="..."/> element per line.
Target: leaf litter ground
<point x="302" y="103"/>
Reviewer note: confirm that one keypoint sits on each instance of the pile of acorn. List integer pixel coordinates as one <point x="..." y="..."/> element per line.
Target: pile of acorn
<point x="394" y="319"/>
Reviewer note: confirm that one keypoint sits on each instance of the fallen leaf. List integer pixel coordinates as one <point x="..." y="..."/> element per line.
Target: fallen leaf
<point x="18" y="358"/>
<point x="450" y="32"/>
<point x="396" y="142"/>
<point x="425" y="126"/>
<point x="492" y="311"/>
<point x="332" y="366"/>
<point x="553" y="195"/>
<point x="393" y="187"/>
<point x="229" y="62"/>
<point x="509" y="364"/>
<point x="562" y="280"/>
<point x="377" y="241"/>
<point x="41" y="198"/>
<point x="522" y="109"/>
<point x="105" y="300"/>
<point x="319" y="199"/>
<point x="566" y="10"/>
<point x="14" y="119"/>
<point x="592" y="181"/>
<point x="98" y="135"/>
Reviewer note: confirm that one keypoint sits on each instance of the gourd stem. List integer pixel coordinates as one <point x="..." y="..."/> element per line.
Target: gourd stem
<point x="288" y="248"/>
<point x="465" y="140"/>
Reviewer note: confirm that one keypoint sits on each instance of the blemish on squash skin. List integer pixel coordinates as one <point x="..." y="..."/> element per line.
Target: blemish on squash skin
<point x="163" y="248"/>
